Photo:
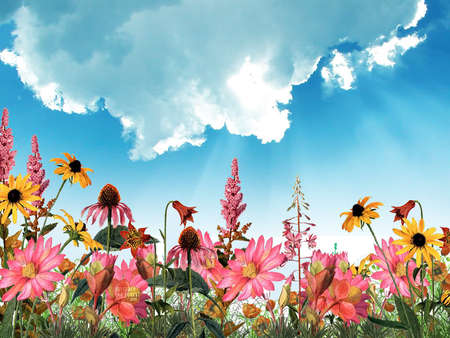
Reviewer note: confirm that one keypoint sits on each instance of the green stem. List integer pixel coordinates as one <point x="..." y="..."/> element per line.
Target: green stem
<point x="5" y="254"/>
<point x="64" y="245"/>
<point x="27" y="327"/>
<point x="108" y="239"/>
<point x="421" y="210"/>
<point x="165" y="261"/>
<point x="14" y="317"/>
<point x="390" y="272"/>
<point x="56" y="198"/>
<point x="191" y="300"/>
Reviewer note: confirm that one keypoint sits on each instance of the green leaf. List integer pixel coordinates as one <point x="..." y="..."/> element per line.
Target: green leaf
<point x="82" y="287"/>
<point x="116" y="239"/>
<point x="415" y="272"/>
<point x="161" y="307"/>
<point x="178" y="277"/>
<point x="388" y="323"/>
<point x="162" y="235"/>
<point x="408" y="317"/>
<point x="49" y="227"/>
<point x="202" y="335"/>
<point x="6" y="327"/>
<point x="176" y="329"/>
<point x="213" y="326"/>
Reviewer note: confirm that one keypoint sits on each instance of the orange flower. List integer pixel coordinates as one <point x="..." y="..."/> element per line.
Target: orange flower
<point x="293" y="298"/>
<point x="389" y="307"/>
<point x="134" y="239"/>
<point x="229" y="328"/>
<point x="184" y="212"/>
<point x="78" y="313"/>
<point x="250" y="310"/>
<point x="84" y="260"/>
<point x="439" y="272"/>
<point x="213" y="310"/>
<point x="360" y="213"/>
<point x="87" y="296"/>
<point x="270" y="305"/>
<point x="445" y="284"/>
<point x="66" y="265"/>
<point x="403" y="211"/>
<point x="261" y="326"/>
<point x="446" y="240"/>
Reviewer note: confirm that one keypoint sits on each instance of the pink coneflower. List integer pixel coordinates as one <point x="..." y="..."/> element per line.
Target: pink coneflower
<point x="29" y="273"/>
<point x="251" y="272"/>
<point x="109" y="198"/>
<point x="209" y="267"/>
<point x="34" y="169"/>
<point x="189" y="240"/>
<point x="126" y="294"/>
<point x="397" y="265"/>
<point x="6" y="143"/>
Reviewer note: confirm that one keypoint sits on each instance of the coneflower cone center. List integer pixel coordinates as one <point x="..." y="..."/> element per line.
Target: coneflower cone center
<point x="29" y="270"/>
<point x="249" y="270"/>
<point x="14" y="196"/>
<point x="419" y="240"/>
<point x="75" y="166"/>
<point x="189" y="239"/>
<point x="357" y="210"/>
<point x="109" y="196"/>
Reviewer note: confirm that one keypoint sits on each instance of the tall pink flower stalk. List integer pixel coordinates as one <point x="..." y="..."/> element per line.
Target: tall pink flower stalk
<point x="232" y="207"/>
<point x="30" y="272"/>
<point x="6" y="143"/>
<point x="34" y="168"/>
<point x="397" y="263"/>
<point x="250" y="273"/>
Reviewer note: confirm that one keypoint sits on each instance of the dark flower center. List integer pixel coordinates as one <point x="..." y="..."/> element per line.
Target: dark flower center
<point x="109" y="196"/>
<point x="134" y="239"/>
<point x="189" y="239"/>
<point x="357" y="210"/>
<point x="75" y="166"/>
<point x="14" y="196"/>
<point x="419" y="240"/>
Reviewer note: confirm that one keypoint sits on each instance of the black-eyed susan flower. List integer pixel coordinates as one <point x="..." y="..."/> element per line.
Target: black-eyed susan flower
<point x="445" y="298"/>
<point x="72" y="170"/>
<point x="415" y="240"/>
<point x="360" y="213"/>
<point x="17" y="195"/>
<point x="78" y="232"/>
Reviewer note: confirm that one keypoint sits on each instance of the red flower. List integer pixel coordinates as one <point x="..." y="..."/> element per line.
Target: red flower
<point x="134" y="239"/>
<point x="184" y="212"/>
<point x="403" y="211"/>
<point x="446" y="239"/>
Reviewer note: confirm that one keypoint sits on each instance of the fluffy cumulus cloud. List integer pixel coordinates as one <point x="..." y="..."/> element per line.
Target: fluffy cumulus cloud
<point x="170" y="68"/>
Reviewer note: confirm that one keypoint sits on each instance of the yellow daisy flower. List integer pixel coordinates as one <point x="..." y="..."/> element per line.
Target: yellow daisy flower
<point x="360" y="213"/>
<point x="417" y="241"/>
<point x="445" y="298"/>
<point x="78" y="232"/>
<point x="72" y="170"/>
<point x="16" y="195"/>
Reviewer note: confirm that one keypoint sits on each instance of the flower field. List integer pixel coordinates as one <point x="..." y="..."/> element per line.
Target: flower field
<point x="222" y="284"/>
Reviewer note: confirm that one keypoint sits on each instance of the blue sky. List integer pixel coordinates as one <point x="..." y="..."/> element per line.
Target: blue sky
<point x="386" y="136"/>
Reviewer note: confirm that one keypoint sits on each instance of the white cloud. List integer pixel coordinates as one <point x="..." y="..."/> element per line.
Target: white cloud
<point x="385" y="53"/>
<point x="420" y="13"/>
<point x="169" y="69"/>
<point x="339" y="71"/>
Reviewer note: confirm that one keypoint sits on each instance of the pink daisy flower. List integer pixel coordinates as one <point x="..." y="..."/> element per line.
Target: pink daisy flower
<point x="189" y="240"/>
<point x="250" y="273"/>
<point x="209" y="267"/>
<point x="126" y="294"/>
<point x="397" y="264"/>
<point x="109" y="198"/>
<point x="29" y="273"/>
